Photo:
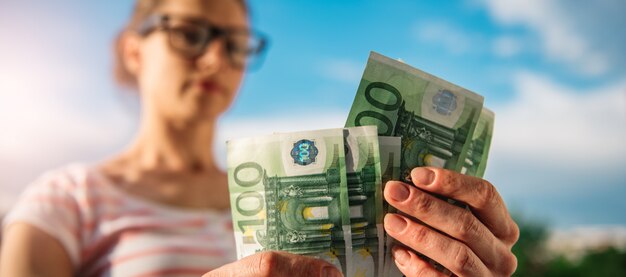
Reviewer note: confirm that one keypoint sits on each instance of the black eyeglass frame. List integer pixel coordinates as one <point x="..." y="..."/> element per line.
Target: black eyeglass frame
<point x="253" y="55"/>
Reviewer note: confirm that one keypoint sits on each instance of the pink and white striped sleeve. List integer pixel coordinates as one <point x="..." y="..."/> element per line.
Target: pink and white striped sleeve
<point x="49" y="205"/>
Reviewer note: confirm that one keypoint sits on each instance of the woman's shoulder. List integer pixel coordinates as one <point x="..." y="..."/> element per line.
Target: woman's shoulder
<point x="54" y="203"/>
<point x="71" y="179"/>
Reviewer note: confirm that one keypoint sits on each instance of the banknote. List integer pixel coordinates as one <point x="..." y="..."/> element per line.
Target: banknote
<point x="478" y="151"/>
<point x="289" y="192"/>
<point x="435" y="118"/>
<point x="366" y="201"/>
<point x="390" y="152"/>
<point x="390" y="167"/>
<point x="389" y="158"/>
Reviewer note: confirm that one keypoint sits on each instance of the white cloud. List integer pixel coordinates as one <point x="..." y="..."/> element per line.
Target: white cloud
<point x="562" y="127"/>
<point x="347" y="71"/>
<point x="561" y="40"/>
<point x="507" y="46"/>
<point x="447" y="36"/>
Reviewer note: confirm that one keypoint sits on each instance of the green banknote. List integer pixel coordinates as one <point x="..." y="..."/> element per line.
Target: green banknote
<point x="478" y="151"/>
<point x="366" y="201"/>
<point x="289" y="192"/>
<point x="389" y="158"/>
<point x="434" y="117"/>
<point x="390" y="166"/>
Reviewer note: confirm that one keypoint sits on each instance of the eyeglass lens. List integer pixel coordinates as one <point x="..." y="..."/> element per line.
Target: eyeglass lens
<point x="192" y="40"/>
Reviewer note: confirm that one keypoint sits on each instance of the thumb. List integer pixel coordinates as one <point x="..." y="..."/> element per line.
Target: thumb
<point x="273" y="263"/>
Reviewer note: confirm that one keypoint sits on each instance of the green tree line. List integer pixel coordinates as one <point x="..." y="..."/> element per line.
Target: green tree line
<point x="534" y="261"/>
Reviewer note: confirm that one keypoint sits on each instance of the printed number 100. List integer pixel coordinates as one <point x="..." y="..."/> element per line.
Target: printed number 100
<point x="247" y="226"/>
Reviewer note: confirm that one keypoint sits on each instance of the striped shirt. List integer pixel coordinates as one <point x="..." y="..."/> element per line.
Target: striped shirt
<point x="107" y="232"/>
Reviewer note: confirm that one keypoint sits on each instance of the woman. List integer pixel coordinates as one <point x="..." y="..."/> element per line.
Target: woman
<point x="161" y="207"/>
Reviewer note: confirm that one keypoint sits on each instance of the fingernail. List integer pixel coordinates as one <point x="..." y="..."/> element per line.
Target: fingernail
<point x="422" y="176"/>
<point x="394" y="223"/>
<point x="400" y="255"/>
<point x="330" y="271"/>
<point x="398" y="192"/>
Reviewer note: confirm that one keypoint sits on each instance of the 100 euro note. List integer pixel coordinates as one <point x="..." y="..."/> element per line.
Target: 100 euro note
<point x="435" y="118"/>
<point x="366" y="201"/>
<point x="288" y="192"/>
<point x="390" y="149"/>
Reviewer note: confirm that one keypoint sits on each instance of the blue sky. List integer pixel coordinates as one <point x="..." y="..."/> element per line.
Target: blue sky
<point x="553" y="71"/>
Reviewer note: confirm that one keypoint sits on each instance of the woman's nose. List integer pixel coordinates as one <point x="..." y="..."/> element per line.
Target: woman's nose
<point x="215" y="56"/>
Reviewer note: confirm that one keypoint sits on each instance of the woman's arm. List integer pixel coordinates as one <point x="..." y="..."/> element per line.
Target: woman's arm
<point x="28" y="251"/>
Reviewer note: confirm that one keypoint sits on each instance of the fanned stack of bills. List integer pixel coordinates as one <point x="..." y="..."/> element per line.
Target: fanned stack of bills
<point x="319" y="193"/>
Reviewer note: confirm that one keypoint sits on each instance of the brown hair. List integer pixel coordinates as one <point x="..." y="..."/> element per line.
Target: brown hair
<point x="142" y="10"/>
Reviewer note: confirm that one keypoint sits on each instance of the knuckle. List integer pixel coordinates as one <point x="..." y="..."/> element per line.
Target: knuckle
<point x="487" y="193"/>
<point x="420" y="235"/>
<point x="422" y="270"/>
<point x="416" y="266"/>
<point x="426" y="269"/>
<point x="443" y="177"/>
<point x="267" y="263"/>
<point x="424" y="203"/>
<point x="463" y="262"/>
<point x="447" y="177"/>
<point x="310" y="267"/>
<point x="469" y="227"/>
<point x="454" y="183"/>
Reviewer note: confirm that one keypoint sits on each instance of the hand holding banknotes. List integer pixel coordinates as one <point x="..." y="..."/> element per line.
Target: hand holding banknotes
<point x="474" y="242"/>
<point x="276" y="263"/>
<point x="319" y="193"/>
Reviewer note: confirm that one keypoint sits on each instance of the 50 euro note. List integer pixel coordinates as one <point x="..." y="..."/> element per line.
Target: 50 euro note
<point x="289" y="192"/>
<point x="366" y="202"/>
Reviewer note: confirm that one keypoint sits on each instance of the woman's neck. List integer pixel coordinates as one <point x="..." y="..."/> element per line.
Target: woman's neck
<point x="174" y="147"/>
<point x="176" y="161"/>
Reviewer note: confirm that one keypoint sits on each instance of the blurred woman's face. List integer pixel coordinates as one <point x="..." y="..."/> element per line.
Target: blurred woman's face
<point x="177" y="87"/>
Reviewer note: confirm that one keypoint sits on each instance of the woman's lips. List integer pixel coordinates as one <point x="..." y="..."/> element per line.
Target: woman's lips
<point x="210" y="86"/>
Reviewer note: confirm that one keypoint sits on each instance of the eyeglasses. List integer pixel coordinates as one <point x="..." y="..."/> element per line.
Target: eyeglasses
<point x="190" y="37"/>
